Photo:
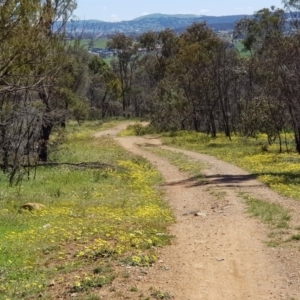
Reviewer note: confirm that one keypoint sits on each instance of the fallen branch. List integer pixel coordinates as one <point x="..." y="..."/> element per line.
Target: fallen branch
<point x="83" y="165"/>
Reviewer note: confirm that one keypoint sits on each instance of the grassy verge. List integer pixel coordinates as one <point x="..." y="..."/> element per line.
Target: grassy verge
<point x="93" y="219"/>
<point x="183" y="162"/>
<point x="275" y="216"/>
<point x="269" y="213"/>
<point x="279" y="171"/>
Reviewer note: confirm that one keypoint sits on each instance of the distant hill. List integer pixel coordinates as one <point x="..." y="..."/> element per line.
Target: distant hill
<point x="156" y="22"/>
<point x="152" y="16"/>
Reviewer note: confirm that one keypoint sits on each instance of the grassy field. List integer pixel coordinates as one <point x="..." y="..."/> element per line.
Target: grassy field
<point x="98" y="43"/>
<point x="279" y="171"/>
<point x="92" y="220"/>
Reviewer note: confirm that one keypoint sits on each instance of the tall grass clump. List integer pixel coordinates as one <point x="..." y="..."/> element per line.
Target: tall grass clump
<point x="138" y="129"/>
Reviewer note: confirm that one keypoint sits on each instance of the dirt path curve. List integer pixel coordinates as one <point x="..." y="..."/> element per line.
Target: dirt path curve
<point x="220" y="253"/>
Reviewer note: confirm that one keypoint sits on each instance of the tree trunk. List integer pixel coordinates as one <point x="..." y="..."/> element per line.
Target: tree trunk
<point x="4" y="148"/>
<point x="213" y="125"/>
<point x="43" y="144"/>
<point x="297" y="140"/>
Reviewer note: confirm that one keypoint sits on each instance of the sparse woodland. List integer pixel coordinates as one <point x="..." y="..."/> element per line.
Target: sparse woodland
<point x="92" y="223"/>
<point x="192" y="81"/>
<point x="197" y="81"/>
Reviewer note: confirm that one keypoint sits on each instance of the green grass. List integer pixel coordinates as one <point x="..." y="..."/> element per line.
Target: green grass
<point x="275" y="216"/>
<point x="98" y="43"/>
<point x="92" y="217"/>
<point x="239" y="46"/>
<point x="183" y="162"/>
<point x="269" y="213"/>
<point x="279" y="171"/>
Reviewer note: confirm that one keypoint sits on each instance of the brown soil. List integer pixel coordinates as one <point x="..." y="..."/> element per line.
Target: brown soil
<point x="219" y="250"/>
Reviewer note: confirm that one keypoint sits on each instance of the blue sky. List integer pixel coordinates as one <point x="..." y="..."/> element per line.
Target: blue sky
<point x="118" y="10"/>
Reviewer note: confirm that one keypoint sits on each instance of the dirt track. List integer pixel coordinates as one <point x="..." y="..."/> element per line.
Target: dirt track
<point x="221" y="252"/>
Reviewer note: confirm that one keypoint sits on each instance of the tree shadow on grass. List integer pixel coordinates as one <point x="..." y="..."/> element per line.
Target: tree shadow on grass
<point x="225" y="180"/>
<point x="286" y="178"/>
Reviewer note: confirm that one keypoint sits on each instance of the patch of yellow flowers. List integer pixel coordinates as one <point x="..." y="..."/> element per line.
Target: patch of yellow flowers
<point x="281" y="171"/>
<point x="128" y="227"/>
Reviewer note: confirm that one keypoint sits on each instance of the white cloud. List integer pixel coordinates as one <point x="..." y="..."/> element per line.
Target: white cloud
<point x="203" y="11"/>
<point x="114" y="17"/>
<point x="144" y="14"/>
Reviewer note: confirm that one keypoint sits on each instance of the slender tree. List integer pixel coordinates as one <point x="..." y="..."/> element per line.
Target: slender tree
<point x="126" y="65"/>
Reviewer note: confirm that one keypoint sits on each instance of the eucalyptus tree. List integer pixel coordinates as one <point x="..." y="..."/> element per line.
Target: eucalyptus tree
<point x="286" y="68"/>
<point x="265" y="26"/>
<point x="105" y="90"/>
<point x="126" y="65"/>
<point x="293" y="8"/>
<point x="224" y="73"/>
<point x="200" y="72"/>
<point x="32" y="61"/>
<point x="162" y="97"/>
<point x="198" y="46"/>
<point x="276" y="56"/>
<point x="161" y="47"/>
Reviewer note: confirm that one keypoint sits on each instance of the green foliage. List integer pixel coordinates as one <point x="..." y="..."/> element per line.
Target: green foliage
<point x="266" y="25"/>
<point x="43" y="79"/>
<point x="121" y="42"/>
<point x="125" y="66"/>
<point x="80" y="110"/>
<point x="105" y="88"/>
<point x="97" y="65"/>
<point x="137" y="129"/>
<point x="194" y="73"/>
<point x="149" y="40"/>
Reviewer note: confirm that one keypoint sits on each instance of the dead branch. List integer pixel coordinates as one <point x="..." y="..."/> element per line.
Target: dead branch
<point x="83" y="165"/>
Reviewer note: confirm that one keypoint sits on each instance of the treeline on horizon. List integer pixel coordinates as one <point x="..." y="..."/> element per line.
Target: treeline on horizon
<point x="192" y="81"/>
